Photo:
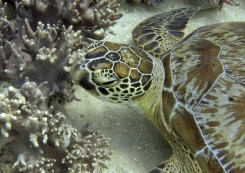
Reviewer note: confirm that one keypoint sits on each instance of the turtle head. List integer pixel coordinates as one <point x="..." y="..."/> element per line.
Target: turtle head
<point x="114" y="72"/>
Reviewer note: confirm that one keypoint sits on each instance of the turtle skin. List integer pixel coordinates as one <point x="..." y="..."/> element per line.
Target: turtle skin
<point x="194" y="92"/>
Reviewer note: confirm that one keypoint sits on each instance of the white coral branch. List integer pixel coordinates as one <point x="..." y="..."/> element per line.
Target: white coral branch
<point x="46" y="54"/>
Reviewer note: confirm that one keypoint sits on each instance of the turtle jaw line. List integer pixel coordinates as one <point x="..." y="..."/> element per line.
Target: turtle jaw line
<point x="104" y="79"/>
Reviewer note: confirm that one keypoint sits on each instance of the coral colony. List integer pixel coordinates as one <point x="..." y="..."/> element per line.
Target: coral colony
<point x="39" y="41"/>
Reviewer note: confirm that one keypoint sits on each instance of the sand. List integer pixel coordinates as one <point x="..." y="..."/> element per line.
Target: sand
<point x="137" y="146"/>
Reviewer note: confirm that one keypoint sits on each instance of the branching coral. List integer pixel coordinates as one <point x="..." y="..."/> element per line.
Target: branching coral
<point x="88" y="150"/>
<point x="39" y="47"/>
<point x="54" y="144"/>
<point x="36" y="52"/>
<point x="85" y="15"/>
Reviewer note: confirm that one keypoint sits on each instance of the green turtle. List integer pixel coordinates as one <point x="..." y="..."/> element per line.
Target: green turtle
<point x="192" y="88"/>
<point x="220" y="3"/>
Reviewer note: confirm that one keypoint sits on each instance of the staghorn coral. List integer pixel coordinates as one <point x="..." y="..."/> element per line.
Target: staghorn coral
<point x="91" y="151"/>
<point x="51" y="144"/>
<point x="85" y="15"/>
<point x="36" y="52"/>
<point x="41" y="47"/>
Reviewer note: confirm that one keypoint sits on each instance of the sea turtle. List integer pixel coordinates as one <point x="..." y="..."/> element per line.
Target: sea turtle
<point x="220" y="3"/>
<point x="194" y="93"/>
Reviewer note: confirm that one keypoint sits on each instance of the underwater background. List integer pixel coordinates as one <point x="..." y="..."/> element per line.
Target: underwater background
<point x="137" y="146"/>
<point x="56" y="114"/>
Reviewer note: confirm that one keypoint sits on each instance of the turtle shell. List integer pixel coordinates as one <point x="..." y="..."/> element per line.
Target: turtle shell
<point x="206" y="75"/>
<point x="203" y="98"/>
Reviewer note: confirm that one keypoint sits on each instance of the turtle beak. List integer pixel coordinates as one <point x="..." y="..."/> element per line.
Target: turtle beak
<point x="81" y="76"/>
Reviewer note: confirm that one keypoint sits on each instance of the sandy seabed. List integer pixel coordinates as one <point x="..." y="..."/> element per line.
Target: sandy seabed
<point x="137" y="146"/>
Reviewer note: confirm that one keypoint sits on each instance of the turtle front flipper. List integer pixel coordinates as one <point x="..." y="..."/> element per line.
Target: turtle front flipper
<point x="220" y="3"/>
<point x="159" y="33"/>
<point x="173" y="165"/>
